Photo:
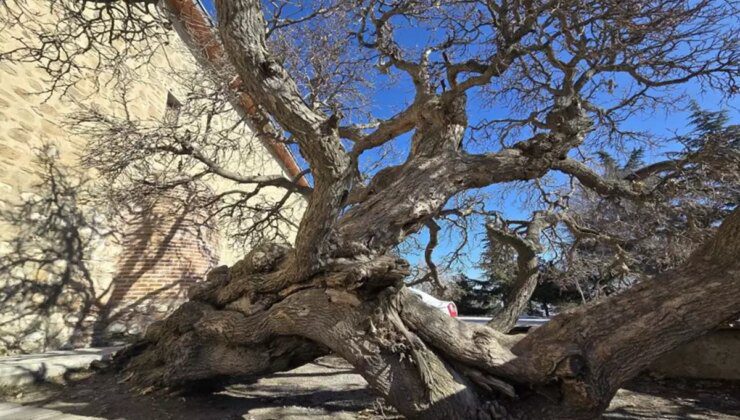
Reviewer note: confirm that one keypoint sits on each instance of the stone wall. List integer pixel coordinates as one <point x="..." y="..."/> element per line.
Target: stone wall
<point x="715" y="355"/>
<point x="109" y="279"/>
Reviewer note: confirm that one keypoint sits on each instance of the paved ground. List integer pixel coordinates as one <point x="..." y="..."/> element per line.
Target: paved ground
<point x="327" y="389"/>
<point x="323" y="390"/>
<point x="29" y="368"/>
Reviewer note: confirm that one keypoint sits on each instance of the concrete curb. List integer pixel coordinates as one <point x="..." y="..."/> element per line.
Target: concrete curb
<point x="29" y="368"/>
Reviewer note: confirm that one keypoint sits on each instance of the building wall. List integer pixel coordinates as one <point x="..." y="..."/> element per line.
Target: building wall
<point x="163" y="251"/>
<point x="122" y="278"/>
<point x="715" y="356"/>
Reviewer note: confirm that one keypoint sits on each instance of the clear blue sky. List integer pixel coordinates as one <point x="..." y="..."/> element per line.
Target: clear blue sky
<point x="662" y="124"/>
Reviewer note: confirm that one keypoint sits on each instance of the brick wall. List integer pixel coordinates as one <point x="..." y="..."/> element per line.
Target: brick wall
<point x="165" y="249"/>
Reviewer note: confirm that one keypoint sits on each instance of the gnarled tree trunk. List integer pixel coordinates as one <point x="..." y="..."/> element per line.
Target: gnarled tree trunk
<point x="428" y="365"/>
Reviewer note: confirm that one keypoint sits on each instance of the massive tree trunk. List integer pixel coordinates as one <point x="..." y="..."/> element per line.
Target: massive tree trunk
<point x="239" y="325"/>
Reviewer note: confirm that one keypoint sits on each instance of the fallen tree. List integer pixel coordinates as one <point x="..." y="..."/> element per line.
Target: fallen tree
<point x="340" y="287"/>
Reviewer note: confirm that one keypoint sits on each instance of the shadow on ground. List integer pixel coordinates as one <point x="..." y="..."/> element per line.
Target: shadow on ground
<point x="329" y="389"/>
<point x="651" y="398"/>
<point x="326" y="389"/>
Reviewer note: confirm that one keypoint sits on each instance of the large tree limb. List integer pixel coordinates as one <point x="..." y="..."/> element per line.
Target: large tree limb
<point x="419" y="189"/>
<point x="425" y="183"/>
<point x="386" y="130"/>
<point x="242" y="30"/>
<point x="478" y="346"/>
<point x="592" y="180"/>
<point x="527" y="249"/>
<point x="595" y="349"/>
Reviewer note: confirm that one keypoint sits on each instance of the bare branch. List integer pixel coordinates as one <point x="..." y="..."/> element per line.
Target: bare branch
<point x="590" y="179"/>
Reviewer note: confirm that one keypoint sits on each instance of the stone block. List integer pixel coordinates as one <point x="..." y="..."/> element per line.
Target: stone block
<point x="715" y="355"/>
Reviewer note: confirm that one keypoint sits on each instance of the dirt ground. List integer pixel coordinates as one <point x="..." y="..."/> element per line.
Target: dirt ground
<point x="328" y="389"/>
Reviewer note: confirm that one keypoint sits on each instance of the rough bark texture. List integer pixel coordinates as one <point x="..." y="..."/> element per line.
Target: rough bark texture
<point x="424" y="363"/>
<point x="527" y="272"/>
<point x="596" y="349"/>
<point x="242" y="31"/>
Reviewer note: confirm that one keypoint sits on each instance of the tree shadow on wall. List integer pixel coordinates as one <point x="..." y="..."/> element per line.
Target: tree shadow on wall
<point x="58" y="289"/>
<point x="49" y="296"/>
<point x="151" y="254"/>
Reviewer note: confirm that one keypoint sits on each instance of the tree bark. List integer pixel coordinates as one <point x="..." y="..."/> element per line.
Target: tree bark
<point x="597" y="348"/>
<point x="527" y="273"/>
<point x="242" y="31"/>
<point x="423" y="362"/>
